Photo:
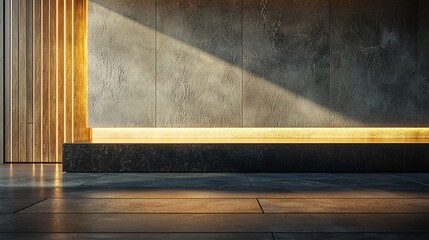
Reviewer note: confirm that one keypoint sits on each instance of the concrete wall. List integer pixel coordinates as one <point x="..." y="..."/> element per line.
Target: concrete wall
<point x="424" y="62"/>
<point x="258" y="63"/>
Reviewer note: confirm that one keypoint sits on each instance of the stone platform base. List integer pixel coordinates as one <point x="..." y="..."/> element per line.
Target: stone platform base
<point x="290" y="157"/>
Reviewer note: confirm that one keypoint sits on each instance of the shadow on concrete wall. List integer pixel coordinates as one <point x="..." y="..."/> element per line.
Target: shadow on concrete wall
<point x="279" y="63"/>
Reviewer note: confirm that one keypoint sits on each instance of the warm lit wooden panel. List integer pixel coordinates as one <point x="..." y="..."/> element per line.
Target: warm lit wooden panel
<point x="41" y="109"/>
<point x="61" y="75"/>
<point x="15" y="80"/>
<point x="81" y="132"/>
<point x="53" y="79"/>
<point x="22" y="83"/>
<point x="69" y="52"/>
<point x="45" y="80"/>
<point x="7" y="83"/>
<point x="29" y="80"/>
<point x="37" y="96"/>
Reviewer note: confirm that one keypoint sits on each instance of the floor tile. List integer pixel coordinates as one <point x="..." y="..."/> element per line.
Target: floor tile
<point x="345" y="205"/>
<point x="146" y="206"/>
<point x="329" y="181"/>
<point x="27" y="193"/>
<point x="422" y="178"/>
<point x="231" y="193"/>
<point x="137" y="236"/>
<point x="171" y="180"/>
<point x="123" y="192"/>
<point x="350" y="236"/>
<point x="13" y="205"/>
<point x="44" y="182"/>
<point x="210" y="223"/>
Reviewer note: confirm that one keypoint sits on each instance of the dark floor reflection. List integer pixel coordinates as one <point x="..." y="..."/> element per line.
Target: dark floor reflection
<point x="40" y="202"/>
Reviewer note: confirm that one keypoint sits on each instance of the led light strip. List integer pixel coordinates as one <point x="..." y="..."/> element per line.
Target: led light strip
<point x="263" y="135"/>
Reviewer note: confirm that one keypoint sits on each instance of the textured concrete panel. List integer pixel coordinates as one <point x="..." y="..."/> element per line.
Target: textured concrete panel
<point x="121" y="63"/>
<point x="374" y="62"/>
<point x="424" y="61"/>
<point x="199" y="56"/>
<point x="286" y="62"/>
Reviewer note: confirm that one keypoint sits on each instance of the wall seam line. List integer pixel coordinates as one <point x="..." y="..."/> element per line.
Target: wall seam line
<point x="242" y="63"/>
<point x="330" y="65"/>
<point x="3" y="81"/>
<point x="41" y="78"/>
<point x="419" y="109"/>
<point x="56" y="83"/>
<point x="19" y="79"/>
<point x="156" y="60"/>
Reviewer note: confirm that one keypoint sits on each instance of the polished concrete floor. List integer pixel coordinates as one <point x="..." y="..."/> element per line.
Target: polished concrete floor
<point x="40" y="202"/>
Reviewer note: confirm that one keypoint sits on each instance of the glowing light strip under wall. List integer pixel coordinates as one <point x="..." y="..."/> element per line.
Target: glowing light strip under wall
<point x="261" y="135"/>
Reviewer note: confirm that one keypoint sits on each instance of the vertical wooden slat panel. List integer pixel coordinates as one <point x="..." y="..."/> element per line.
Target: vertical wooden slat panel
<point x="29" y="80"/>
<point x="45" y="81"/>
<point x="1" y="82"/>
<point x="81" y="132"/>
<point x="22" y="80"/>
<point x="61" y="76"/>
<point x="37" y="96"/>
<point x="7" y="83"/>
<point x="15" y="80"/>
<point x="45" y="78"/>
<point x="53" y="82"/>
<point x="69" y="71"/>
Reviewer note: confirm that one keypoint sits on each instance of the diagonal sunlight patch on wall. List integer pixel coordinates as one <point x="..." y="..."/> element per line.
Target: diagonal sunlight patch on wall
<point x="193" y="88"/>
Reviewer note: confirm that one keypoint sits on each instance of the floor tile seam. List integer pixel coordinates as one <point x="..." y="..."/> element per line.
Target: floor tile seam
<point x="260" y="206"/>
<point x="91" y="180"/>
<point x="285" y="199"/>
<point x="84" y="186"/>
<point x="214" y="213"/>
<point x="352" y="232"/>
<point x="287" y="232"/>
<point x="365" y="198"/>
<point x="415" y="181"/>
<point x="30" y="206"/>
<point x="183" y="232"/>
<point x="273" y="236"/>
<point x="155" y="198"/>
<point x="248" y="179"/>
<point x="269" y="233"/>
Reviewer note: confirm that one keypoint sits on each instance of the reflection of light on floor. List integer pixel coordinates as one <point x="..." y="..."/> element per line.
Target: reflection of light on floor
<point x="58" y="176"/>
<point x="42" y="175"/>
<point x="10" y="171"/>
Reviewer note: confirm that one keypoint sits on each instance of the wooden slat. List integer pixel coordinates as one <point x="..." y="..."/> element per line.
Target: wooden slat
<point x="53" y="92"/>
<point x="1" y="81"/>
<point x="29" y="80"/>
<point x="7" y="83"/>
<point x="81" y="132"/>
<point x="37" y="71"/>
<point x="22" y="80"/>
<point x="29" y="154"/>
<point x="45" y="81"/>
<point x="29" y="59"/>
<point x="15" y="81"/>
<point x="69" y="71"/>
<point x="61" y="76"/>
